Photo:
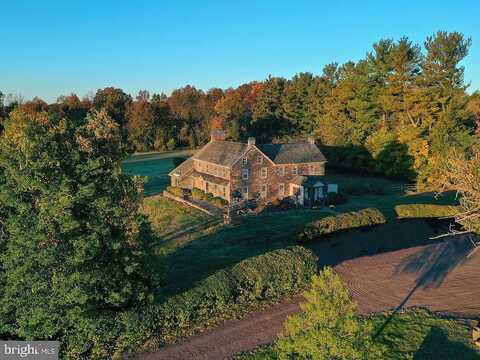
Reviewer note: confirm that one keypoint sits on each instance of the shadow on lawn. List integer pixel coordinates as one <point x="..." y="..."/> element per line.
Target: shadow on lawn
<point x="437" y="346"/>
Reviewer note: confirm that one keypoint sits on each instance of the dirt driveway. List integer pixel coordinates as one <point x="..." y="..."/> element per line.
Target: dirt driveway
<point x="437" y="275"/>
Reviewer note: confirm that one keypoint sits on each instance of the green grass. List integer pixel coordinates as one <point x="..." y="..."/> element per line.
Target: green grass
<point x="411" y="334"/>
<point x="155" y="166"/>
<point x="189" y="246"/>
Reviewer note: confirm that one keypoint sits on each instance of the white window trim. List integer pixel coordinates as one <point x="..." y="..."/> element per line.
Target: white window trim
<point x="245" y="161"/>
<point x="245" y="174"/>
<point x="264" y="172"/>
<point x="295" y="170"/>
<point x="263" y="193"/>
<point x="282" y="187"/>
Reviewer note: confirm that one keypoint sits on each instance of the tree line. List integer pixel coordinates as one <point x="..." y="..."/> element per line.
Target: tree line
<point x="396" y="112"/>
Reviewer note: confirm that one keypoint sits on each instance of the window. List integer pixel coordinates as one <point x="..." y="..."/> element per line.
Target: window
<point x="281" y="190"/>
<point x="295" y="170"/>
<point x="245" y="161"/>
<point x="244" y="174"/>
<point x="260" y="159"/>
<point x="264" y="173"/>
<point x="263" y="190"/>
<point x="207" y="169"/>
<point x="245" y="192"/>
<point x="281" y="171"/>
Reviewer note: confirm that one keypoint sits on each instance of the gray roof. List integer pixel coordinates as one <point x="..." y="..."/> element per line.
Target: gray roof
<point x="183" y="169"/>
<point x="296" y="153"/>
<point x="307" y="181"/>
<point x="221" y="152"/>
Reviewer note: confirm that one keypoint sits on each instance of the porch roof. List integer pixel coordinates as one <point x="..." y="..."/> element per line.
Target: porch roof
<point x="308" y="181"/>
<point x="210" y="178"/>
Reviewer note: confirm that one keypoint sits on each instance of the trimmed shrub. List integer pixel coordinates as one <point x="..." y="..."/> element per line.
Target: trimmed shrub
<point x="226" y="292"/>
<point x="425" y="211"/>
<point x="351" y="220"/>
<point x="208" y="196"/>
<point x="335" y="198"/>
<point x="198" y="194"/>
<point x="218" y="202"/>
<point x="175" y="190"/>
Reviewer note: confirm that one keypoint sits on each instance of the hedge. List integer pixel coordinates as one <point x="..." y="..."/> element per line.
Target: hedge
<point x="425" y="211"/>
<point x="330" y="224"/>
<point x="226" y="293"/>
<point x="175" y="190"/>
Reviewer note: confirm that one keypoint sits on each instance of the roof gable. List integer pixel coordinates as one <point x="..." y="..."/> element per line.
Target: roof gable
<point x="295" y="153"/>
<point x="224" y="153"/>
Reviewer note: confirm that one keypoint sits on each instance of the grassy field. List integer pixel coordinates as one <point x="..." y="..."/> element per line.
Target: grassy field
<point x="412" y="334"/>
<point x="154" y="166"/>
<point x="188" y="245"/>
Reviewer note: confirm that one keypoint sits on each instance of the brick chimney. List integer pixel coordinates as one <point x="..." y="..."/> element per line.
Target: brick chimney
<point x="217" y="135"/>
<point x="251" y="141"/>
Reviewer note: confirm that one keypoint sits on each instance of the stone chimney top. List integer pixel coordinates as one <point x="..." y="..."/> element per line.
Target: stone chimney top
<point x="217" y="135"/>
<point x="251" y="141"/>
<point x="311" y="140"/>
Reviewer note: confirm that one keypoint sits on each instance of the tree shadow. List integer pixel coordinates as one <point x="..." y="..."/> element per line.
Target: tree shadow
<point x="438" y="346"/>
<point x="393" y="160"/>
<point x="431" y="266"/>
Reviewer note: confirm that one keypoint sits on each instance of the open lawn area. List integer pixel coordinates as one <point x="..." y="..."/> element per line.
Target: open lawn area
<point x="154" y="166"/>
<point x="189" y="245"/>
<point x="412" y="334"/>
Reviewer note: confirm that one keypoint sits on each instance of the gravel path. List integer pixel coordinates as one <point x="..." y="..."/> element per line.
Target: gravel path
<point x="439" y="276"/>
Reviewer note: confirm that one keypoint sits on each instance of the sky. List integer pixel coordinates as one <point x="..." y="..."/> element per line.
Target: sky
<point x="50" y="48"/>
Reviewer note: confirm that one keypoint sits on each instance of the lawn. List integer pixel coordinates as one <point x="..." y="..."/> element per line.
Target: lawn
<point x="412" y="334"/>
<point x="188" y="245"/>
<point x="154" y="166"/>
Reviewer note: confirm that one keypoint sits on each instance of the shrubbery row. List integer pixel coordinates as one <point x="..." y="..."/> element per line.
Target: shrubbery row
<point x="330" y="224"/>
<point x="198" y="194"/>
<point x="425" y="211"/>
<point x="264" y="277"/>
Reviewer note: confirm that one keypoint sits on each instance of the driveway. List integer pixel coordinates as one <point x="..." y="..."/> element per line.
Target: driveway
<point x="438" y="275"/>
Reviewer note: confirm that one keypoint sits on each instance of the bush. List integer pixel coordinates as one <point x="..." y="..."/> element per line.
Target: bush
<point x="425" y="211"/>
<point x="264" y="277"/>
<point x="330" y="224"/>
<point x="198" y="194"/>
<point x="335" y="198"/>
<point x="171" y="144"/>
<point x="208" y="196"/>
<point x="218" y="202"/>
<point x="175" y="190"/>
<point x="328" y="326"/>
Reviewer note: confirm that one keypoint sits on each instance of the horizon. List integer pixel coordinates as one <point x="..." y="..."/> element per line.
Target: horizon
<point x="162" y="47"/>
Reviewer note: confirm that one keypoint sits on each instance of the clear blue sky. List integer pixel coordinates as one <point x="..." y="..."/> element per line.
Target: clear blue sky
<point x="50" y="48"/>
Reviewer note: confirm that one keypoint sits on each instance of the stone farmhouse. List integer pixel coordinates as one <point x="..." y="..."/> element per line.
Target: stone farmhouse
<point x="237" y="171"/>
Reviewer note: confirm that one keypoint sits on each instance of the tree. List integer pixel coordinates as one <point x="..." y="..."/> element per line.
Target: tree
<point x="328" y="328"/>
<point x="187" y="107"/>
<point x="71" y="107"/>
<point x="114" y="101"/>
<point x="267" y="113"/>
<point x="295" y="102"/>
<point x="73" y="254"/>
<point x="463" y="175"/>
<point x="141" y="123"/>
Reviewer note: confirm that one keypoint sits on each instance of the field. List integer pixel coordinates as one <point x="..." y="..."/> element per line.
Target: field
<point x="412" y="334"/>
<point x="154" y="166"/>
<point x="189" y="245"/>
